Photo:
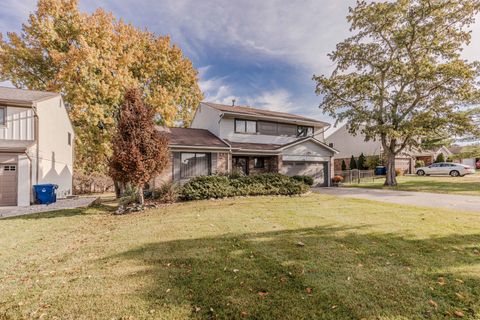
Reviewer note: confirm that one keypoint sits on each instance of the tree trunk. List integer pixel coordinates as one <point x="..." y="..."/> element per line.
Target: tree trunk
<point x="141" y="198"/>
<point x="118" y="189"/>
<point x="391" y="179"/>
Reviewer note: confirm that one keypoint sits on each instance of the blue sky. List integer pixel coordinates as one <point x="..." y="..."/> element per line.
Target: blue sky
<point x="261" y="53"/>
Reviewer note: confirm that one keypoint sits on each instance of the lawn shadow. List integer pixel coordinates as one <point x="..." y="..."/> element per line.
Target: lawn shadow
<point x="314" y="273"/>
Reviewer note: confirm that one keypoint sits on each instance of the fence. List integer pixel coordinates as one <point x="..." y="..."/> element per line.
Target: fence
<point x="356" y="176"/>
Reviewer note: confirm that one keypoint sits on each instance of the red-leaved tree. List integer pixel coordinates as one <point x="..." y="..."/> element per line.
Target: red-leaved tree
<point x="139" y="150"/>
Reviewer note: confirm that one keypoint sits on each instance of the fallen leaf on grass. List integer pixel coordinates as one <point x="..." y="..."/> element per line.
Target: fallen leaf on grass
<point x="300" y="244"/>
<point x="459" y="296"/>
<point x="309" y="290"/>
<point x="262" y="294"/>
<point x="244" y="314"/>
<point x="433" y="303"/>
<point x="459" y="314"/>
<point x="441" y="281"/>
<point x="459" y="280"/>
<point x="334" y="307"/>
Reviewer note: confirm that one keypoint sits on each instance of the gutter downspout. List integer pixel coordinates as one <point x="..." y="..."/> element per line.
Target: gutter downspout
<point x="37" y="140"/>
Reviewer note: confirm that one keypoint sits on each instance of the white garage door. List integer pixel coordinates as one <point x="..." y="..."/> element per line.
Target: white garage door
<point x="8" y="184"/>
<point x="403" y="164"/>
<point x="317" y="170"/>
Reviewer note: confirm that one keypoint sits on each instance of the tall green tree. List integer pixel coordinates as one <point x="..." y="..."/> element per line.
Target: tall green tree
<point x="91" y="59"/>
<point x="361" y="162"/>
<point x="344" y="165"/>
<point x="400" y="78"/>
<point x="353" y="163"/>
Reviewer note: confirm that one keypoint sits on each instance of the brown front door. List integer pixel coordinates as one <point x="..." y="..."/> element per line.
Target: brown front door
<point x="8" y="184"/>
<point x="240" y="164"/>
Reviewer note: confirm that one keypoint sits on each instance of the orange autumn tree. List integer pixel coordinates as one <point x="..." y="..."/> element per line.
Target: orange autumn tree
<point x="139" y="150"/>
<point x="91" y="58"/>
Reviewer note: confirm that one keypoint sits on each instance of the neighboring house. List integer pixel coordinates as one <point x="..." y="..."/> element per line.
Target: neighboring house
<point x="36" y="145"/>
<point x="349" y="145"/>
<point x="472" y="162"/>
<point x="225" y="138"/>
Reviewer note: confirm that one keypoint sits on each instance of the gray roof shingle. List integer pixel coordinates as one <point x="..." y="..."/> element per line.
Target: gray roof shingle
<point x="24" y="96"/>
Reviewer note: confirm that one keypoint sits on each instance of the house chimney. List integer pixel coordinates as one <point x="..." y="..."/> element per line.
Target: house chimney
<point x="233" y="102"/>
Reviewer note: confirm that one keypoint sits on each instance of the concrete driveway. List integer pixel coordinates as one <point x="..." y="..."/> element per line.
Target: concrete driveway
<point x="422" y="199"/>
<point x="61" y="204"/>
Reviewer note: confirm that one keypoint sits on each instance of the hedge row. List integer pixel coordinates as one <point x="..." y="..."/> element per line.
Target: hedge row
<point x="222" y="186"/>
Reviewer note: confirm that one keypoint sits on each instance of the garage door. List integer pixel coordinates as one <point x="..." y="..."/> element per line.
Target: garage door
<point x="317" y="170"/>
<point x="403" y="164"/>
<point x="8" y="184"/>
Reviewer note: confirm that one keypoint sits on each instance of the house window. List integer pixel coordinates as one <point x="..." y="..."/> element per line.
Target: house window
<point x="10" y="168"/>
<point x="69" y="138"/>
<point x="304" y="131"/>
<point x="245" y="126"/>
<point x="259" y="163"/>
<point x="194" y="165"/>
<point x="3" y="116"/>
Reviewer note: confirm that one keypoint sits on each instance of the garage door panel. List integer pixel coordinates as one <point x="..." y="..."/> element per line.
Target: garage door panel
<point x="316" y="170"/>
<point x="8" y="184"/>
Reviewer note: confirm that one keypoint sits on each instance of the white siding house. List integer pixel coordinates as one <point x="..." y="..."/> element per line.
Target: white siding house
<point x="36" y="145"/>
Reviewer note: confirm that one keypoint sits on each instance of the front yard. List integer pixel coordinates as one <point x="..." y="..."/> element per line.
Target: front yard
<point x="468" y="185"/>
<point x="307" y="257"/>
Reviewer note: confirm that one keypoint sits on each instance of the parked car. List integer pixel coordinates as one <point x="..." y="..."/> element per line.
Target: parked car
<point x="445" y="168"/>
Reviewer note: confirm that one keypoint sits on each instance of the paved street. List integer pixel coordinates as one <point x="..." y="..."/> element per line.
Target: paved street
<point x="423" y="199"/>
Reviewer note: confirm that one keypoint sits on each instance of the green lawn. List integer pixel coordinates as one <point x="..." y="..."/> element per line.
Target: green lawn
<point x="469" y="185"/>
<point x="241" y="258"/>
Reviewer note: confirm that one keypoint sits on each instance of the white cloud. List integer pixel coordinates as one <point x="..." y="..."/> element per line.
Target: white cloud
<point x="275" y="100"/>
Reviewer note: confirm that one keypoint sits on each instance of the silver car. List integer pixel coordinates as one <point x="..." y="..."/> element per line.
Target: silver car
<point x="445" y="168"/>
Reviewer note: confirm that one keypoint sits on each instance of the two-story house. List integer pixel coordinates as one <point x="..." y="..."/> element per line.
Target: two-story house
<point x="36" y="145"/>
<point x="225" y="138"/>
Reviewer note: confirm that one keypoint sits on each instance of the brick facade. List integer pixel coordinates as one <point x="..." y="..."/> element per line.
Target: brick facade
<point x="427" y="159"/>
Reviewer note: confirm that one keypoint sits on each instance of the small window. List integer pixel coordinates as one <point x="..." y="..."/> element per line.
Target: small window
<point x="245" y="126"/>
<point x="303" y="131"/>
<point x="10" y="168"/>
<point x="194" y="165"/>
<point x="69" y="139"/>
<point x="259" y="163"/>
<point x="3" y="116"/>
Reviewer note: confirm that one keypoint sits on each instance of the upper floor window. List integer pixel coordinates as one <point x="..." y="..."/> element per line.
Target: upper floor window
<point x="3" y="116"/>
<point x="69" y="138"/>
<point x="304" y="131"/>
<point x="245" y="126"/>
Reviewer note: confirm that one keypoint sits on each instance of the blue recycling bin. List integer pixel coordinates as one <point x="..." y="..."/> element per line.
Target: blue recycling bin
<point x="380" y="171"/>
<point x="45" y="193"/>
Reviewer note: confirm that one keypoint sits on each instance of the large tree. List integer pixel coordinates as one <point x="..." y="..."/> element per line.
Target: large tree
<point x="91" y="59"/>
<point x="400" y="78"/>
<point x="139" y="150"/>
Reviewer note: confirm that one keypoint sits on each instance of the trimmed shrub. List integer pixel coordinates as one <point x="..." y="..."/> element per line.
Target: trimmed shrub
<point x="222" y="186"/>
<point x="167" y="193"/>
<point x="419" y="163"/>
<point x="440" y="158"/>
<point x="399" y="172"/>
<point x="344" y="165"/>
<point x="305" y="179"/>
